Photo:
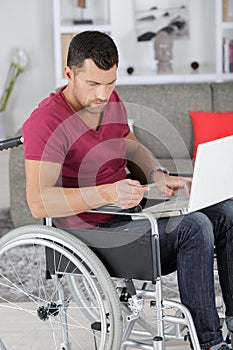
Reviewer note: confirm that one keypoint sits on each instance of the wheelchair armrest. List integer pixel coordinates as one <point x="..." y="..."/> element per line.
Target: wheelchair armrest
<point x="181" y="174"/>
<point x="115" y="209"/>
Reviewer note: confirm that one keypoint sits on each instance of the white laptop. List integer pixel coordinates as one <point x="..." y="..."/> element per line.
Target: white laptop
<point x="212" y="180"/>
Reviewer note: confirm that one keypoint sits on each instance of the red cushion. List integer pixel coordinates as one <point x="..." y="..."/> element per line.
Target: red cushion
<point x="209" y="126"/>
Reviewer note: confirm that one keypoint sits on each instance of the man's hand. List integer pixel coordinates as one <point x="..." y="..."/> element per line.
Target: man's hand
<point x="174" y="183"/>
<point x="128" y="193"/>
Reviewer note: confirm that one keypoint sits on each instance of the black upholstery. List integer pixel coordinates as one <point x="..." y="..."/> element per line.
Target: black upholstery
<point x="124" y="255"/>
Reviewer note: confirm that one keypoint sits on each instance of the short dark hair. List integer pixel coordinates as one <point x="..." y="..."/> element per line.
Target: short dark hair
<point x="95" y="45"/>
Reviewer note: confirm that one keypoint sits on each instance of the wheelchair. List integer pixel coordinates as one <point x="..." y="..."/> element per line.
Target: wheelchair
<point x="71" y="293"/>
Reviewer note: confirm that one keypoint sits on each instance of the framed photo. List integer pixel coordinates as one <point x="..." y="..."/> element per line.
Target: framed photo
<point x="153" y="16"/>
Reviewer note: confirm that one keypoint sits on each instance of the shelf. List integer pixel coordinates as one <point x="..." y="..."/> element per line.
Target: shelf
<point x="150" y="76"/>
<point x="203" y="45"/>
<point x="162" y="79"/>
<point x="227" y="25"/>
<point x="227" y="76"/>
<point x="68" y="29"/>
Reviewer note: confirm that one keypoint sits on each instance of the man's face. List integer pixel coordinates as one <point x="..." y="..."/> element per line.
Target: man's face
<point x="90" y="87"/>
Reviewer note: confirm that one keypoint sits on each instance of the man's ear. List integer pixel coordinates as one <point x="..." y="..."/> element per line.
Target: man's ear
<point x="68" y="73"/>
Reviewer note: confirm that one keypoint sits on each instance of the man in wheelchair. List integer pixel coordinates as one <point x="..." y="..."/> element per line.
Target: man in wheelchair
<point x="77" y="145"/>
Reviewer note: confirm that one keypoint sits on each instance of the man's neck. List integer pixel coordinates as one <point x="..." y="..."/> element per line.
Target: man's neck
<point x="71" y="101"/>
<point x="91" y="119"/>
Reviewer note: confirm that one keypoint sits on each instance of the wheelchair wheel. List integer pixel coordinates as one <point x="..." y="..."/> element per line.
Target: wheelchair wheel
<point x="82" y="295"/>
<point x="43" y="312"/>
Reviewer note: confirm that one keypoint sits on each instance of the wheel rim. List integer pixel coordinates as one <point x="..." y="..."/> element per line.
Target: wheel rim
<point x="35" y="295"/>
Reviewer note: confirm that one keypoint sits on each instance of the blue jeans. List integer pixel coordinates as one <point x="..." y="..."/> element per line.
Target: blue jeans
<point x="187" y="245"/>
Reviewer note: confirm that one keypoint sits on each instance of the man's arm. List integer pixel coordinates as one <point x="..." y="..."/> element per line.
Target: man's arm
<point x="45" y="199"/>
<point x="140" y="159"/>
<point x="142" y="164"/>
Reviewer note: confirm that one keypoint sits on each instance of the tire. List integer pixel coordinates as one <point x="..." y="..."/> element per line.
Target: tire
<point x="44" y="311"/>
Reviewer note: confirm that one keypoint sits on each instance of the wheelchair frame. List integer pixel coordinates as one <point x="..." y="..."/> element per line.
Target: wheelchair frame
<point x="91" y="290"/>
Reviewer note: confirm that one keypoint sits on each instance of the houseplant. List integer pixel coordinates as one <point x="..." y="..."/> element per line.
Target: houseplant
<point x="18" y="63"/>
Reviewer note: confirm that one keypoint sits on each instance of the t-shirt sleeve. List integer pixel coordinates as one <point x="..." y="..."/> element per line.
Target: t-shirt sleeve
<point x="42" y="140"/>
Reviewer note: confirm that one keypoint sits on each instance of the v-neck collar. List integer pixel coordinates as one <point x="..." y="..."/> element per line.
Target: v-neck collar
<point x="98" y="128"/>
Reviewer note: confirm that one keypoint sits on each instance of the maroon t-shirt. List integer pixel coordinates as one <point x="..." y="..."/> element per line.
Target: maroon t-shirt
<point x="54" y="133"/>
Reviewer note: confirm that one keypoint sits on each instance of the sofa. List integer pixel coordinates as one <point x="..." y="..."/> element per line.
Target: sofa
<point x="160" y="118"/>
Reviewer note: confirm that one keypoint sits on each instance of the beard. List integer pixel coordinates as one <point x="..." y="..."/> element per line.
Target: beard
<point x="91" y="106"/>
<point x="95" y="109"/>
<point x="95" y="106"/>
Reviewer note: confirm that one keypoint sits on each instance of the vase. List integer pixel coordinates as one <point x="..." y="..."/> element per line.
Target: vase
<point x="2" y="126"/>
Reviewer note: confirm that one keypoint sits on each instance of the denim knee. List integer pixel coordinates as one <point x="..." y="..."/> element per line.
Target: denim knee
<point x="197" y="230"/>
<point x="229" y="323"/>
<point x="221" y="214"/>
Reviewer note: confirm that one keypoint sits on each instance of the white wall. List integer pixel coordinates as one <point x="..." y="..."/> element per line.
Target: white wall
<point x="26" y="24"/>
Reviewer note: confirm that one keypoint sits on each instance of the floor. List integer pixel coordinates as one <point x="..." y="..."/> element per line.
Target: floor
<point x="26" y="327"/>
<point x="4" y="203"/>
